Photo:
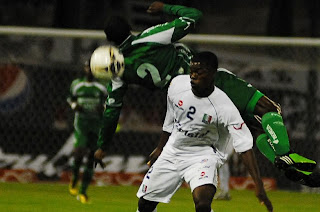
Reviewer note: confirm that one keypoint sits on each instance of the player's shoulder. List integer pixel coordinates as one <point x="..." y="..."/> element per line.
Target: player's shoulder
<point x="77" y="81"/>
<point x="224" y="71"/>
<point x="222" y="100"/>
<point x="179" y="84"/>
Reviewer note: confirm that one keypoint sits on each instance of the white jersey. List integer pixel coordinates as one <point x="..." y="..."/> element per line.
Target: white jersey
<point x="198" y="124"/>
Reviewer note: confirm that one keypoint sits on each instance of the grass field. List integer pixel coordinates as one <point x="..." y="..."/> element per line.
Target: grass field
<point x="55" y="198"/>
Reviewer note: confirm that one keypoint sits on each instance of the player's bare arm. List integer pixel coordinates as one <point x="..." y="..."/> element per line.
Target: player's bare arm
<point x="98" y="156"/>
<point x="250" y="162"/>
<point x="157" y="151"/>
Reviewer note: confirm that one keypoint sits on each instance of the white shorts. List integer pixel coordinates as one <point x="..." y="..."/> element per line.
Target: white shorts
<point x="166" y="175"/>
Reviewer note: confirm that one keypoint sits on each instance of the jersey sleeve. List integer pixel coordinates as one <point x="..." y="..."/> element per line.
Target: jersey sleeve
<point x="188" y="17"/>
<point x="169" y="119"/>
<point x="173" y="31"/>
<point x="72" y="95"/>
<point x="116" y="89"/>
<point x="238" y="130"/>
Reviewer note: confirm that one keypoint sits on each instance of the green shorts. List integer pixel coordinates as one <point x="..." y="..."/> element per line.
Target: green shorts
<point x="242" y="93"/>
<point x="86" y="133"/>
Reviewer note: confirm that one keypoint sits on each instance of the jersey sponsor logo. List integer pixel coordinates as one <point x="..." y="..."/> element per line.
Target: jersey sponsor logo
<point x="203" y="175"/>
<point x="273" y="134"/>
<point x="180" y="108"/>
<point x="238" y="126"/>
<point x="206" y="119"/>
<point x="204" y="160"/>
<point x="180" y="103"/>
<point x="193" y="134"/>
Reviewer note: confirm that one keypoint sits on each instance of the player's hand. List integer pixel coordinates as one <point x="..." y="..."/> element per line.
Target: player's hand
<point x="98" y="156"/>
<point x="154" y="156"/>
<point x="263" y="199"/>
<point x="155" y="7"/>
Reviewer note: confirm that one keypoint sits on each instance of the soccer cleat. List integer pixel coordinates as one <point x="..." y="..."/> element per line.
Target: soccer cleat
<point x="311" y="179"/>
<point x="222" y="195"/>
<point x="294" y="160"/>
<point x="83" y="198"/>
<point x="73" y="190"/>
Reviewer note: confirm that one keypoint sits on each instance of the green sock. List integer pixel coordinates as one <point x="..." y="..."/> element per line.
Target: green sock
<point x="75" y="174"/>
<point x="86" y="180"/>
<point x="273" y="125"/>
<point x="265" y="148"/>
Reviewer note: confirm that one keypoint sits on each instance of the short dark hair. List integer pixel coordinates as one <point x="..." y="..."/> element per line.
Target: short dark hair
<point x="207" y="59"/>
<point x="117" y="29"/>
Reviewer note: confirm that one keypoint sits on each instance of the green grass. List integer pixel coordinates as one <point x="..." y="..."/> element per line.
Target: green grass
<point x="55" y="197"/>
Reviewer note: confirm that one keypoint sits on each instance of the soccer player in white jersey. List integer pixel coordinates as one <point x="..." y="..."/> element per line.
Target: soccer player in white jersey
<point x="199" y="123"/>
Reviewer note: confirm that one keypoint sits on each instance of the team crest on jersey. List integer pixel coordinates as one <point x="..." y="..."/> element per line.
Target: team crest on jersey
<point x="180" y="103"/>
<point x="144" y="188"/>
<point x="206" y="119"/>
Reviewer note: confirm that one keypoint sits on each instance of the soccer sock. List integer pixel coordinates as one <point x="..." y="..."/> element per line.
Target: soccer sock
<point x="75" y="173"/>
<point x="265" y="148"/>
<point x="274" y="127"/>
<point x="86" y="180"/>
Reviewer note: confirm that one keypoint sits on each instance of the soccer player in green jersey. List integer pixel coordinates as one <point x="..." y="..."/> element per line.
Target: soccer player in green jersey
<point x="87" y="98"/>
<point x="153" y="58"/>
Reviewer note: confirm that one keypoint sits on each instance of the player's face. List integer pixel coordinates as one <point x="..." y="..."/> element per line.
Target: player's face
<point x="201" y="80"/>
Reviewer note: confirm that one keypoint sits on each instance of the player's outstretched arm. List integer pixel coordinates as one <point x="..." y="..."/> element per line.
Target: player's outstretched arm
<point x="157" y="151"/>
<point x="250" y="162"/>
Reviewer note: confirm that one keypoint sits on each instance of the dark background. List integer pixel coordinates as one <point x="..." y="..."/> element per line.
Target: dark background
<point x="250" y="17"/>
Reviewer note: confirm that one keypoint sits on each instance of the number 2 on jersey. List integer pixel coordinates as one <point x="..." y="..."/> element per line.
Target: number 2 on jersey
<point x="154" y="72"/>
<point x="192" y="111"/>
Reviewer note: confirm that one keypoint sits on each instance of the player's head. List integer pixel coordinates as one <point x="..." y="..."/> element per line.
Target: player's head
<point x="117" y="29"/>
<point x="202" y="71"/>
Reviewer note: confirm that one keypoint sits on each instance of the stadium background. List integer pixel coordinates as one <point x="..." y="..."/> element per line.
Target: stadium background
<point x="36" y="72"/>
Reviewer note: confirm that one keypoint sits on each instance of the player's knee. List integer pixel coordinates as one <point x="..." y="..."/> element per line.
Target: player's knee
<point x="146" y="205"/>
<point x="266" y="105"/>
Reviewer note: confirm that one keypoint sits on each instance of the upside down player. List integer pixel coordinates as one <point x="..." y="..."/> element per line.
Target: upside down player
<point x="152" y="59"/>
<point x="87" y="98"/>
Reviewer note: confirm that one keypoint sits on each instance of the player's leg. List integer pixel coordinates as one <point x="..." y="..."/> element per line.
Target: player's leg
<point x="202" y="197"/>
<point x="146" y="205"/>
<point x="274" y="127"/>
<point x="86" y="178"/>
<point x="265" y="148"/>
<point x="78" y="153"/>
<point x="201" y="174"/>
<point x="90" y="143"/>
<point x="159" y="184"/>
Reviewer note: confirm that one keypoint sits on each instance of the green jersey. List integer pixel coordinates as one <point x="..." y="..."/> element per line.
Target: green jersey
<point x="90" y="96"/>
<point x="152" y="59"/>
<point x="243" y="95"/>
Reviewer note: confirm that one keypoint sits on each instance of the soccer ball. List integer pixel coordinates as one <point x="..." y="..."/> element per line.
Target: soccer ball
<point x="106" y="63"/>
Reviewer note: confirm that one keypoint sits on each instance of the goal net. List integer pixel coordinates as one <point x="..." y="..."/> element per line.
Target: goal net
<point x="38" y="65"/>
